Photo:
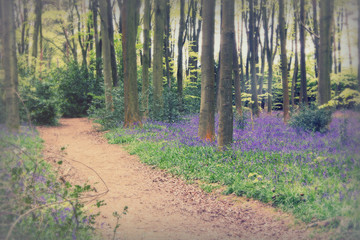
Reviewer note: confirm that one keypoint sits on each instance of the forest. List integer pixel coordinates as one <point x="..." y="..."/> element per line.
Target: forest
<point x="257" y="100"/>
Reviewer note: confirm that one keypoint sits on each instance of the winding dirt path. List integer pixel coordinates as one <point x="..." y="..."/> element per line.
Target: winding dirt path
<point x="160" y="206"/>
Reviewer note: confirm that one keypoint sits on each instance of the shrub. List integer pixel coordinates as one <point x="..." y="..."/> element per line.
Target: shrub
<point x="311" y="119"/>
<point x="108" y="119"/>
<point x="39" y="103"/>
<point x="170" y="111"/>
<point x="76" y="84"/>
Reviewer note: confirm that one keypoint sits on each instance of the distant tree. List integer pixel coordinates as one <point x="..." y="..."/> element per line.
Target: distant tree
<point x="207" y="106"/>
<point x="95" y="4"/>
<point x="253" y="55"/>
<point x="146" y="60"/>
<point x="37" y="27"/>
<point x="24" y="44"/>
<point x="326" y="15"/>
<point x="296" y="63"/>
<point x="316" y="38"/>
<point x="159" y="9"/>
<point x="225" y="134"/>
<point x="9" y="62"/>
<point x="284" y="71"/>
<point x="129" y="28"/>
<point x="180" y="45"/>
<point x="303" y="83"/>
<point x="358" y="44"/>
<point x="110" y="31"/>
<point x="106" y="51"/>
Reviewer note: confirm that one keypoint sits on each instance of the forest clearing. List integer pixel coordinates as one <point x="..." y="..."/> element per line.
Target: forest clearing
<point x="180" y="119"/>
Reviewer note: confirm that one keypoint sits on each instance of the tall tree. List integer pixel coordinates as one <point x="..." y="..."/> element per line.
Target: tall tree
<point x="9" y="61"/>
<point x="95" y="4"/>
<point x="110" y="31"/>
<point x="225" y="134"/>
<point x="237" y="80"/>
<point x="303" y="83"/>
<point x="207" y="105"/>
<point x="129" y="27"/>
<point x="253" y="52"/>
<point x="326" y="15"/>
<point x="158" y="53"/>
<point x="358" y="44"/>
<point x="24" y="46"/>
<point x="146" y="60"/>
<point x="180" y="45"/>
<point x="106" y="51"/>
<point x="37" y="27"/>
<point x="316" y="38"/>
<point x="283" y="57"/>
<point x="296" y="63"/>
<point x="167" y="42"/>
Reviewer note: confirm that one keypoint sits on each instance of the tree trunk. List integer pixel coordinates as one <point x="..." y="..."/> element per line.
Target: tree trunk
<point x="167" y="42"/>
<point x="110" y="31"/>
<point x="37" y="25"/>
<point x="303" y="82"/>
<point x="225" y="134"/>
<point x="284" y="61"/>
<point x="296" y="64"/>
<point x="253" y="52"/>
<point x="326" y="15"/>
<point x="359" y="44"/>
<point x="207" y="106"/>
<point x="180" y="52"/>
<point x="237" y="81"/>
<point x="158" y="54"/>
<point x="106" y="51"/>
<point x="316" y="38"/>
<point x="25" y="30"/>
<point x="348" y="34"/>
<point x="9" y="61"/>
<point x="129" y="27"/>
<point x="97" y="41"/>
<point x="146" y="57"/>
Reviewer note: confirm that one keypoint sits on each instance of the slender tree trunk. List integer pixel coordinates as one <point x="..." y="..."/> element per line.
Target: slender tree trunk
<point x="348" y="35"/>
<point x="167" y="43"/>
<point x="359" y="44"/>
<point x="129" y="27"/>
<point x="207" y="106"/>
<point x="262" y="71"/>
<point x="24" y="30"/>
<point x="110" y="31"/>
<point x="316" y="39"/>
<point x="37" y="25"/>
<point x="253" y="53"/>
<point x="326" y="15"/>
<point x="225" y="134"/>
<point x="106" y="51"/>
<point x="284" y="72"/>
<point x="237" y="81"/>
<point x="9" y="61"/>
<point x="158" y="53"/>
<point x="296" y="64"/>
<point x="97" y="41"/>
<point x="303" y="82"/>
<point x="180" y="52"/>
<point x="146" y="57"/>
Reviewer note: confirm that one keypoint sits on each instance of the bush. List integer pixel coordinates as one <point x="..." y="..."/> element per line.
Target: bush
<point x="39" y="103"/>
<point x="170" y="111"/>
<point x="108" y="119"/>
<point x="76" y="84"/>
<point x="311" y="119"/>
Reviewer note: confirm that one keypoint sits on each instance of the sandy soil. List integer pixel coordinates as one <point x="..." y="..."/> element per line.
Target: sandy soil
<point x="160" y="206"/>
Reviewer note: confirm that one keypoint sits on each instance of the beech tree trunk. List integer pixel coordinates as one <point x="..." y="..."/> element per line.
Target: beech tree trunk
<point x="303" y="82"/>
<point x="146" y="61"/>
<point x="129" y="27"/>
<point x="9" y="61"/>
<point x="207" y="105"/>
<point x="158" y="53"/>
<point x="106" y="51"/>
<point x="326" y="15"/>
<point x="284" y="72"/>
<point x="110" y="31"/>
<point x="296" y="64"/>
<point x="253" y="53"/>
<point x="225" y="134"/>
<point x="37" y="26"/>
<point x="316" y="38"/>
<point x="180" y="45"/>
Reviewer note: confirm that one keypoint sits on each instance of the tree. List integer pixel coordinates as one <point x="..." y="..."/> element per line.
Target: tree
<point x="129" y="29"/>
<point x="96" y="37"/>
<point x="253" y="52"/>
<point x="158" y="53"/>
<point x="108" y="83"/>
<point x="37" y="27"/>
<point x="207" y="105"/>
<point x="225" y="134"/>
<point x="146" y="61"/>
<point x="326" y="15"/>
<point x="180" y="45"/>
<point x="110" y="30"/>
<point x="296" y="64"/>
<point x="316" y="38"/>
<point x="283" y="57"/>
<point x="358" y="44"/>
<point x="9" y="61"/>
<point x="303" y="84"/>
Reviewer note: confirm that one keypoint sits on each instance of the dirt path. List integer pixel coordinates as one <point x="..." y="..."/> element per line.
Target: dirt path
<point x="160" y="206"/>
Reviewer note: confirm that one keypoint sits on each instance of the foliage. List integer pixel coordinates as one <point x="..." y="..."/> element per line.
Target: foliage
<point x="192" y="94"/>
<point x="311" y="119"/>
<point x="31" y="193"/>
<point x="311" y="174"/>
<point x="112" y="119"/>
<point x="38" y="102"/>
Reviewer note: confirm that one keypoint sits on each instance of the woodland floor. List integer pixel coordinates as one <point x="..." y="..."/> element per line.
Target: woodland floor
<point x="160" y="206"/>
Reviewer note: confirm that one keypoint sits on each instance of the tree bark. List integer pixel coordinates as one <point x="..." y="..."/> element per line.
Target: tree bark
<point x="326" y="15"/>
<point x="284" y="72"/>
<point x="146" y="62"/>
<point x="37" y="25"/>
<point x="253" y="52"/>
<point x="110" y="31"/>
<point x="180" y="52"/>
<point x="106" y="51"/>
<point x="96" y="37"/>
<point x="303" y="82"/>
<point x="9" y="61"/>
<point x="316" y="39"/>
<point x="129" y="28"/>
<point x="207" y="105"/>
<point x="296" y="64"/>
<point x="25" y="30"/>
<point x="167" y="42"/>
<point x="225" y="134"/>
<point x="158" y="54"/>
<point x="237" y="80"/>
